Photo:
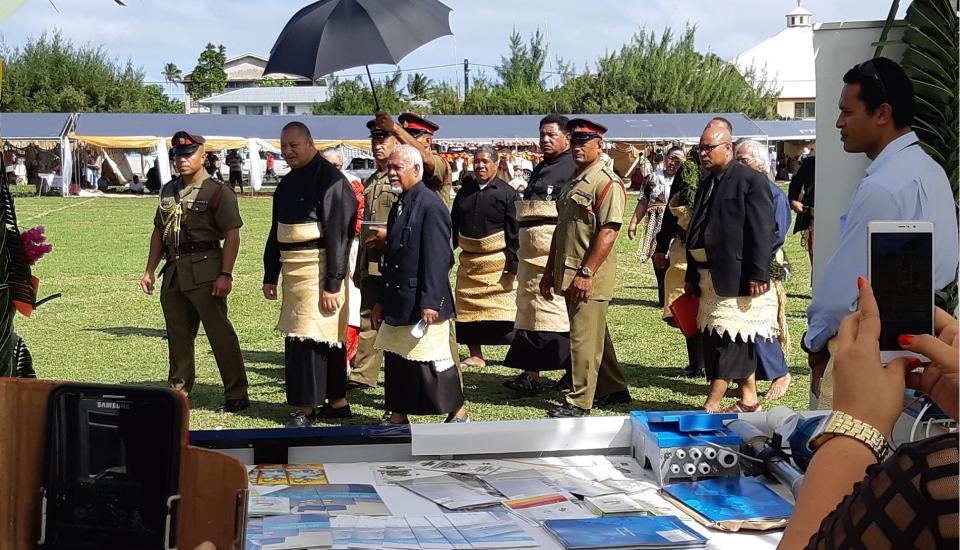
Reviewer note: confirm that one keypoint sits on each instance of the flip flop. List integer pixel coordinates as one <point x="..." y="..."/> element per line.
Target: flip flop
<point x="466" y="363"/>
<point x="741" y="407"/>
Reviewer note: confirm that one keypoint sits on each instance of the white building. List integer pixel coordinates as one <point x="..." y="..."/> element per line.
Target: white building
<point x="291" y="100"/>
<point x="787" y="57"/>
<point x="243" y="71"/>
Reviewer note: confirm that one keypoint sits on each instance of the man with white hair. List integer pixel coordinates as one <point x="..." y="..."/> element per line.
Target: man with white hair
<point x="771" y="362"/>
<point x="415" y="308"/>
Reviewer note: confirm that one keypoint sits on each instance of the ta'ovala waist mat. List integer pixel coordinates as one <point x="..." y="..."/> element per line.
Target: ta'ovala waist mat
<point x="484" y="292"/>
<point x="534" y="312"/>
<point x="301" y="277"/>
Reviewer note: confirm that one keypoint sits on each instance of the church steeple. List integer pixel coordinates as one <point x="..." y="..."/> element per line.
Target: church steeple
<point x="799" y="17"/>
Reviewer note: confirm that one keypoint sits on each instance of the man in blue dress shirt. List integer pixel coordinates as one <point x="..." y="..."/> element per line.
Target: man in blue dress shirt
<point x="902" y="183"/>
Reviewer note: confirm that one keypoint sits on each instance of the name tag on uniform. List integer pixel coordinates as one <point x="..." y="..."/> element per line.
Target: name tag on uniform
<point x="549" y="190"/>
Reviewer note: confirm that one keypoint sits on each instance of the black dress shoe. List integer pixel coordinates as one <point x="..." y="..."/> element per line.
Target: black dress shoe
<point x="354" y="385"/>
<point x="568" y="411"/>
<point x="564" y="384"/>
<point x="233" y="405"/>
<point x="615" y="398"/>
<point x="691" y="371"/>
<point x="299" y="420"/>
<point x="525" y="384"/>
<point x="328" y="412"/>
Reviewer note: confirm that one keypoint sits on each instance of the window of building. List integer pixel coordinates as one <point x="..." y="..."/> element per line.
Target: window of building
<point x="291" y="109"/>
<point x="229" y="110"/>
<point x="253" y="109"/>
<point x="805" y="109"/>
<point x="274" y="109"/>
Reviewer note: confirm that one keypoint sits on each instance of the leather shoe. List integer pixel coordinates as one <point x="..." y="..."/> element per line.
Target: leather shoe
<point x="691" y="371"/>
<point x="299" y="420"/>
<point x="354" y="385"/>
<point x="568" y="410"/>
<point x="564" y="384"/>
<point x="233" y="405"/>
<point x="454" y="419"/>
<point x="327" y="411"/>
<point x="524" y="384"/>
<point x="615" y="398"/>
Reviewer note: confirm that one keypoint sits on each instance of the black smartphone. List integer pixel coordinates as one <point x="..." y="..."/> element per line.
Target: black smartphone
<point x="111" y="468"/>
<point x="901" y="274"/>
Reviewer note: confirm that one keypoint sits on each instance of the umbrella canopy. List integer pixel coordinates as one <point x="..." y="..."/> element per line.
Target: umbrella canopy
<point x="331" y="35"/>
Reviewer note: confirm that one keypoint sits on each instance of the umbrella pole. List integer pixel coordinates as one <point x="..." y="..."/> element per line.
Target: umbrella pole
<point x="373" y="89"/>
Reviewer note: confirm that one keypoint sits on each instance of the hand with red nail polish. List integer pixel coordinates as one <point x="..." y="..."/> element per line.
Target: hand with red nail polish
<point x="941" y="378"/>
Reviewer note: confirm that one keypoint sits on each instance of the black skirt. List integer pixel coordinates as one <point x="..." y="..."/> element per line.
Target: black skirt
<point x="490" y="333"/>
<point x="538" y="350"/>
<point x="726" y="359"/>
<point x="314" y="372"/>
<point x="415" y="387"/>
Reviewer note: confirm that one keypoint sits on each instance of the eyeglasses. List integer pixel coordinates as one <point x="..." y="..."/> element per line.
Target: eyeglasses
<point x="869" y="70"/>
<point x="707" y="149"/>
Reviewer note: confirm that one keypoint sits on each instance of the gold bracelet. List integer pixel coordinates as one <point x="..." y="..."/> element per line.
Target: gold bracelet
<point x="842" y="424"/>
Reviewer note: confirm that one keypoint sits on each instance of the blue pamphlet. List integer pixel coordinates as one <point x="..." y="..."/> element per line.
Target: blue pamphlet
<point x="726" y="499"/>
<point x="642" y="532"/>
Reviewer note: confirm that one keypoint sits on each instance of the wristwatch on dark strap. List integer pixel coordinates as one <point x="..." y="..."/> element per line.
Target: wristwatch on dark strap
<point x="585" y="271"/>
<point x="842" y="424"/>
<point x="226" y="274"/>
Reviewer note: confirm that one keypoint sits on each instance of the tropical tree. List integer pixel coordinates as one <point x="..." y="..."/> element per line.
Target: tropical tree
<point x="270" y="82"/>
<point x="418" y="85"/>
<point x="208" y="76"/>
<point x="932" y="63"/>
<point x="354" y="97"/>
<point x="172" y="74"/>
<point x="524" y="66"/>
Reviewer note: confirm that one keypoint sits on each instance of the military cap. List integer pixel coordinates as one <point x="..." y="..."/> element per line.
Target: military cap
<point x="416" y="125"/>
<point x="581" y="129"/>
<point x="185" y="143"/>
<point x="375" y="131"/>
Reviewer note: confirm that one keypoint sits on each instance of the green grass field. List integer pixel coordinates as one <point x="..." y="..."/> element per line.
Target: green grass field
<point x="104" y="329"/>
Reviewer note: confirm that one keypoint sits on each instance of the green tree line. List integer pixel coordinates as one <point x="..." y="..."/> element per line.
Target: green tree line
<point x="51" y="74"/>
<point x="651" y="73"/>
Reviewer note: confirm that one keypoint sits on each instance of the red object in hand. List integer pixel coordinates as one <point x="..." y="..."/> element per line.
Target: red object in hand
<point x="684" y="310"/>
<point x="353" y="341"/>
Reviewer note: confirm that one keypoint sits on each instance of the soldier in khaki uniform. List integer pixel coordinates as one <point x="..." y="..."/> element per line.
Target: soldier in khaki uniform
<point x="194" y="215"/>
<point x="378" y="198"/>
<point x="583" y="266"/>
<point x="418" y="132"/>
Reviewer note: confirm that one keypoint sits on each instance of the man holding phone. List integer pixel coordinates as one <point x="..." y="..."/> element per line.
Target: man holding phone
<point x="902" y="183"/>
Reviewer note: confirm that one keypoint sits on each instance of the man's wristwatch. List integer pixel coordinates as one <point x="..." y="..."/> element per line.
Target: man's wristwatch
<point x="840" y="423"/>
<point x="226" y="274"/>
<point x="585" y="271"/>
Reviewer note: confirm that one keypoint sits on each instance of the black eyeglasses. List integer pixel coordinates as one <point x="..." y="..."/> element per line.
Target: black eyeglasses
<point x="706" y="149"/>
<point x="869" y="70"/>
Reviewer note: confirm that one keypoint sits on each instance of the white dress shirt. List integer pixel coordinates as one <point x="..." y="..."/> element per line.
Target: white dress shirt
<point x="902" y="183"/>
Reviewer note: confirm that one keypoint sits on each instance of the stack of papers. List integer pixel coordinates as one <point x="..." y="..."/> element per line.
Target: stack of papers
<point x="628" y="532"/>
<point x="450" y="492"/>
<point x="544" y="507"/>
<point x="613" y="505"/>
<point x="332" y="499"/>
<point x="521" y="483"/>
<point x="477" y="530"/>
<point x="289" y="532"/>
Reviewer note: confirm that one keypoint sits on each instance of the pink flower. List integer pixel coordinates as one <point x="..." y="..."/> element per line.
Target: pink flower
<point x="34" y="244"/>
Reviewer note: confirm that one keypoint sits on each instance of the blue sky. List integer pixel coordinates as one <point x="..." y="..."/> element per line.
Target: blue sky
<point x="153" y="32"/>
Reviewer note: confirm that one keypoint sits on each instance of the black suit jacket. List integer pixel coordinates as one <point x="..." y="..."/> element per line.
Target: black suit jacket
<point x="417" y="259"/>
<point x="740" y="233"/>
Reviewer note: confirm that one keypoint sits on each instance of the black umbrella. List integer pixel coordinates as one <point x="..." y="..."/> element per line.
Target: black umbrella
<point x="331" y="35"/>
